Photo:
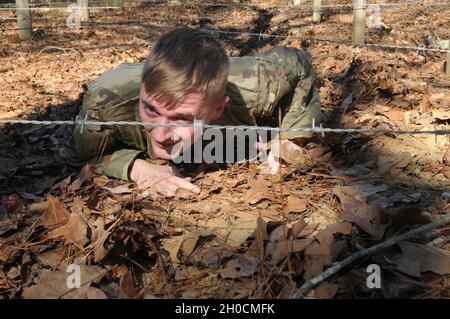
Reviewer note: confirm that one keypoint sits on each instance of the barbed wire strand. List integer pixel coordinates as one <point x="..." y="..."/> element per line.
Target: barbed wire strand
<point x="139" y="20"/>
<point x="264" y="35"/>
<point x="253" y="5"/>
<point x="198" y="124"/>
<point x="58" y="9"/>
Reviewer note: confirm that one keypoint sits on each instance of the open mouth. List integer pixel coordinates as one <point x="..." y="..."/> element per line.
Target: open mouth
<point x="165" y="145"/>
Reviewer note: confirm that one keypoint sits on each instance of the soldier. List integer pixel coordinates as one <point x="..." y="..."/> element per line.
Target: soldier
<point x="188" y="76"/>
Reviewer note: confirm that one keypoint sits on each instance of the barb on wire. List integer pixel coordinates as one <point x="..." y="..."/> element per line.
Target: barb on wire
<point x="314" y="129"/>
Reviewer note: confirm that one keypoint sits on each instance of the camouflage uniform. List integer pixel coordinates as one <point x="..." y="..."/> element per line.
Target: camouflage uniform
<point x="257" y="86"/>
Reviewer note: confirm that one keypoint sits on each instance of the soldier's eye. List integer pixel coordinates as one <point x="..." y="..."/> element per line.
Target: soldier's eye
<point x="149" y="109"/>
<point x="184" y="120"/>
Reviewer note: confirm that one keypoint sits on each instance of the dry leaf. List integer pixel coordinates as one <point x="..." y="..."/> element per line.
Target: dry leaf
<point x="7" y="224"/>
<point x="185" y="193"/>
<point x="432" y="259"/>
<point x="182" y="247"/>
<point x="424" y="105"/>
<point x="38" y="206"/>
<point x="404" y="264"/>
<point x="55" y="214"/>
<point x="74" y="231"/>
<point x="402" y="160"/>
<point x="279" y="233"/>
<point x="292" y="153"/>
<point x="324" y="291"/>
<point x="121" y="189"/>
<point x="95" y="293"/>
<point x="278" y="251"/>
<point x="342" y="228"/>
<point x="446" y="157"/>
<point x="369" y="217"/>
<point x="8" y="115"/>
<point x="261" y="235"/>
<point x="232" y="229"/>
<point x="172" y="245"/>
<point x="190" y="242"/>
<point x="344" y="193"/>
<point x="242" y="266"/>
<point x="407" y="216"/>
<point x="54" y="258"/>
<point x="126" y="284"/>
<point x="314" y="265"/>
<point x="259" y="190"/>
<point x="99" y="236"/>
<point x="6" y="251"/>
<point x="367" y="189"/>
<point x="53" y="284"/>
<point x="295" y="205"/>
<point x="440" y="97"/>
<point x="209" y="257"/>
<point x="308" y="230"/>
<point x="395" y="115"/>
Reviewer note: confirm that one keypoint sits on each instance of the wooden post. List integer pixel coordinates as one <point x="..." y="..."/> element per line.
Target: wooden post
<point x="317" y="10"/>
<point x="24" y="19"/>
<point x="297" y="2"/>
<point x="359" y="21"/>
<point x="84" y="10"/>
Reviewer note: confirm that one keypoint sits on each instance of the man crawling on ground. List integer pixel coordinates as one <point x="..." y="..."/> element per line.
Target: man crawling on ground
<point x="188" y="77"/>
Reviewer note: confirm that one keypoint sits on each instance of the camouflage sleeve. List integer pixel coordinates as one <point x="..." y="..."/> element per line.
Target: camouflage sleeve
<point x="303" y="104"/>
<point x="305" y="107"/>
<point x="96" y="141"/>
<point x="113" y="96"/>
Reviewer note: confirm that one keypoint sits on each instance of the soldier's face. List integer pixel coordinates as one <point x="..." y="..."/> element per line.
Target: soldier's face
<point x="191" y="106"/>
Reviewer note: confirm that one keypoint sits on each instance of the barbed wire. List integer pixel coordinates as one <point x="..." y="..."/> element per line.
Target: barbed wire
<point x="48" y="4"/>
<point x="373" y="45"/>
<point x="255" y="5"/>
<point x="153" y="19"/>
<point x="291" y="6"/>
<point x="68" y="9"/>
<point x="199" y="124"/>
<point x="34" y="19"/>
<point x="260" y="35"/>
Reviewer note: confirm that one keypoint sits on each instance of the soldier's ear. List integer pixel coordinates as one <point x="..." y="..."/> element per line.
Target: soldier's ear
<point x="221" y="106"/>
<point x="223" y="103"/>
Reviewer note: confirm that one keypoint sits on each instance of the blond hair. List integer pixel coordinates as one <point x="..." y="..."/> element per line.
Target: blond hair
<point x="185" y="60"/>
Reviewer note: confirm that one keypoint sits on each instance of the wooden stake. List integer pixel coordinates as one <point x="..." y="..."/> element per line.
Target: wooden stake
<point x="317" y="10"/>
<point x="359" y="21"/>
<point x="24" y="19"/>
<point x="84" y="10"/>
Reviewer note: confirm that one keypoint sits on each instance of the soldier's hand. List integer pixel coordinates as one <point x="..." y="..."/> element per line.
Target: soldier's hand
<point x="162" y="179"/>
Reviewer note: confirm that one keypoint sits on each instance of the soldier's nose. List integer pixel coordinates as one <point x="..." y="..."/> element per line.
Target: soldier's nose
<point x="162" y="134"/>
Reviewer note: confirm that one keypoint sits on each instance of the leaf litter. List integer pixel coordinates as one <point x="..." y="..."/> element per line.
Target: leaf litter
<point x="334" y="197"/>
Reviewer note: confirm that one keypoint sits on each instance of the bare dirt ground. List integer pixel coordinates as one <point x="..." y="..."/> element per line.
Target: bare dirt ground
<point x="248" y="235"/>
